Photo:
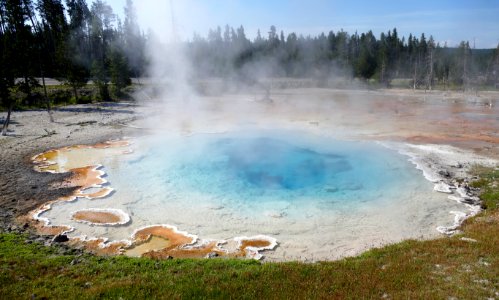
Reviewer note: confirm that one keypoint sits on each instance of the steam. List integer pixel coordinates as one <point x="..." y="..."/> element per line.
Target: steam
<point x="188" y="98"/>
<point x="169" y="70"/>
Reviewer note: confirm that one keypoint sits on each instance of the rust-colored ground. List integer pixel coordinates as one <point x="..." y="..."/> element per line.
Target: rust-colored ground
<point x="97" y="217"/>
<point x="82" y="178"/>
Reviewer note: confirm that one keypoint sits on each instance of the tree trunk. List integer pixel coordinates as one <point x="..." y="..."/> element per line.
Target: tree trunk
<point x="75" y="91"/>
<point x="430" y="79"/>
<point x="47" y="100"/>
<point x="137" y="76"/>
<point x="382" y="79"/>
<point x="415" y="75"/>
<point x="37" y="28"/>
<point x="7" y="121"/>
<point x="26" y="84"/>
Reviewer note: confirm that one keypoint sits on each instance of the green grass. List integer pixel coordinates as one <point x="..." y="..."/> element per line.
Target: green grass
<point x="442" y="268"/>
<point x="62" y="95"/>
<point x="488" y="182"/>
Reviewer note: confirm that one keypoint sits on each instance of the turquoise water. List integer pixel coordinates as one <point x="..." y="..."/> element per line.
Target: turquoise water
<point x="257" y="167"/>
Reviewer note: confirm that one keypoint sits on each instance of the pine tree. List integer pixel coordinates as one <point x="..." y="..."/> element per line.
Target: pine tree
<point x="7" y="76"/>
<point x="465" y="57"/>
<point x="366" y="64"/>
<point x="493" y="74"/>
<point x="101" y="35"/>
<point x="18" y="54"/>
<point x="77" y="55"/>
<point x="119" y="71"/>
<point x="53" y="34"/>
<point x="383" y="57"/>
<point x="134" y="42"/>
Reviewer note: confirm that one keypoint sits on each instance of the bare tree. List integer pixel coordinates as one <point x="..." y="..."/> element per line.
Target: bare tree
<point x="466" y="62"/>
<point x="7" y="120"/>
<point x="429" y="62"/>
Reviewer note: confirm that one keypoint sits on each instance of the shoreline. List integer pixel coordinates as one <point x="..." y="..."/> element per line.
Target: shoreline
<point x="451" y="177"/>
<point x="89" y="134"/>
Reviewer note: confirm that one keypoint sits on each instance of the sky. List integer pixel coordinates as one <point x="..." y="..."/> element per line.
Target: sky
<point x="449" y="21"/>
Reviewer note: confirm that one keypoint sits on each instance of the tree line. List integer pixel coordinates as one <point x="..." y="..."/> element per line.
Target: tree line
<point x="424" y="62"/>
<point x="74" y="43"/>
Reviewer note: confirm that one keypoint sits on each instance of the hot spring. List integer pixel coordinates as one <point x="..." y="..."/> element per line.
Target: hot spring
<point x="320" y="198"/>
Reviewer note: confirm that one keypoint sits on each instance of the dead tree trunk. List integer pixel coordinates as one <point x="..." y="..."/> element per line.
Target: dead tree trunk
<point x="75" y="91"/>
<point x="26" y="84"/>
<point x="415" y="76"/>
<point x="383" y="70"/>
<point x="429" y="79"/>
<point x="7" y="121"/>
<point x="47" y="100"/>
<point x="465" y="68"/>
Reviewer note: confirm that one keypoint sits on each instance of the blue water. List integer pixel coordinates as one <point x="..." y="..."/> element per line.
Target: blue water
<point x="268" y="163"/>
<point x="259" y="167"/>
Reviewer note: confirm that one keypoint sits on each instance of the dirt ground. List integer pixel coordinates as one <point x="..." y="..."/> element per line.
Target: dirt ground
<point x="21" y="188"/>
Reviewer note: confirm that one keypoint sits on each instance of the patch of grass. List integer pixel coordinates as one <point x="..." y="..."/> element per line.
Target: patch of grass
<point x="437" y="269"/>
<point x="488" y="182"/>
<point x="62" y="95"/>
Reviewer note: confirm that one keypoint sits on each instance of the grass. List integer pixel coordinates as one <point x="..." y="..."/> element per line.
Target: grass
<point x="443" y="268"/>
<point x="488" y="181"/>
<point x="62" y="95"/>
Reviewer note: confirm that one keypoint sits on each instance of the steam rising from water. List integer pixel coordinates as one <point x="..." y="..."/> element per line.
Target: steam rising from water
<point x="177" y="86"/>
<point x="170" y="74"/>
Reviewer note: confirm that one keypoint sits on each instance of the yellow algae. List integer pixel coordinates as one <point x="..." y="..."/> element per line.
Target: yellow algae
<point x="248" y="248"/>
<point x="191" y="252"/>
<point x="110" y="144"/>
<point x="83" y="162"/>
<point x="161" y="242"/>
<point x="153" y="244"/>
<point x="48" y="156"/>
<point x="100" y="246"/>
<point x="175" y="244"/>
<point x="67" y="158"/>
<point x="176" y="238"/>
<point x="252" y="246"/>
<point x="48" y="167"/>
